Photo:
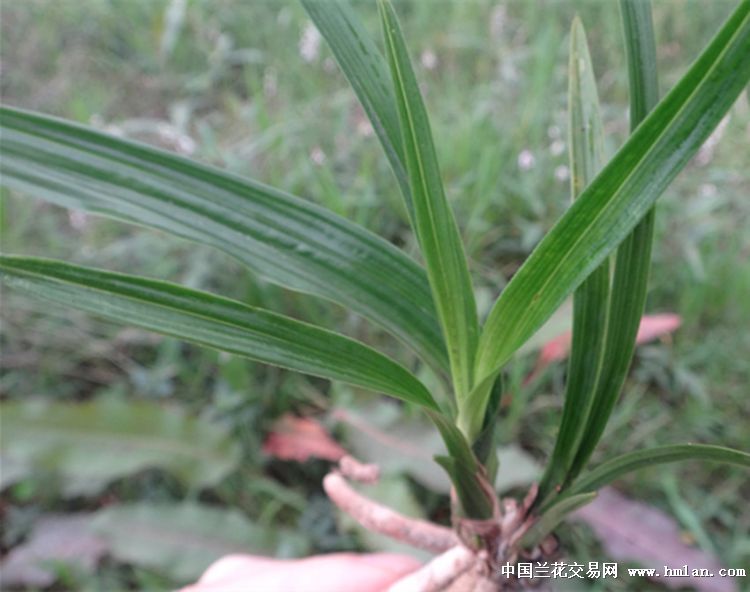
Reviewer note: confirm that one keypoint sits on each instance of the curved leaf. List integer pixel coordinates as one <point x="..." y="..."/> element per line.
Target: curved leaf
<point x="215" y="322"/>
<point x="434" y="223"/>
<point x="591" y="299"/>
<point x="366" y="70"/>
<point x="615" y="468"/>
<point x="633" y="261"/>
<point x="284" y="239"/>
<point x="619" y="197"/>
<point x="548" y="521"/>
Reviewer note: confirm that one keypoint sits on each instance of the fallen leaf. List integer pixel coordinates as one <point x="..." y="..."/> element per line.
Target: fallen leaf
<point x="635" y="532"/>
<point x="55" y="539"/>
<point x="301" y="438"/>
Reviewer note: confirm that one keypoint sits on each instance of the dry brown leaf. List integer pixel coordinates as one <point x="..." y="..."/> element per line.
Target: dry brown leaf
<point x="301" y="438"/>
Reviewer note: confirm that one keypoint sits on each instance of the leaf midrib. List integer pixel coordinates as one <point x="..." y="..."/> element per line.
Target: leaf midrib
<point x="464" y="387"/>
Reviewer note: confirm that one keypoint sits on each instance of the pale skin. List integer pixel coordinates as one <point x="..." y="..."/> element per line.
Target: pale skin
<point x="337" y="572"/>
<point x="455" y="567"/>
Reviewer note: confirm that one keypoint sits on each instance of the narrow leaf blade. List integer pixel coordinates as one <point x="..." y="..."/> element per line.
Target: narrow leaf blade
<point x="284" y="239"/>
<point x="366" y="70"/>
<point x="615" y="468"/>
<point x="215" y="322"/>
<point x="435" y="225"/>
<point x="640" y="44"/>
<point x="591" y="299"/>
<point x="620" y="196"/>
<point x="633" y="261"/>
<point x="548" y="521"/>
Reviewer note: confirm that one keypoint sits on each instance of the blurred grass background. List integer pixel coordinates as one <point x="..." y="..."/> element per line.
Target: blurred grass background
<point x="250" y="87"/>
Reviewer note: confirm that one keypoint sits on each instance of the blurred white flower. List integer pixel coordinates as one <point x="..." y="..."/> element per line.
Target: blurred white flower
<point x="554" y="132"/>
<point x="562" y="173"/>
<point x="309" y="44"/>
<point x="78" y="220"/>
<point x="557" y="147"/>
<point x="709" y="190"/>
<point x="364" y="128"/>
<point x="171" y="136"/>
<point x="428" y="59"/>
<point x="526" y="160"/>
<point x="317" y="155"/>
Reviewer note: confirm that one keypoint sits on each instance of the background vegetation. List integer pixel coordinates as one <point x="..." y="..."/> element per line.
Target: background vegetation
<point x="250" y="87"/>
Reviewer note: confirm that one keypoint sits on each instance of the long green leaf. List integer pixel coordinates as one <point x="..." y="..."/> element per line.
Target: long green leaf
<point x="435" y="225"/>
<point x="640" y="44"/>
<point x="591" y="299"/>
<point x="215" y="322"/>
<point x="286" y="240"/>
<point x="366" y="70"/>
<point x="615" y="468"/>
<point x="552" y="517"/>
<point x="633" y="262"/>
<point x="619" y="197"/>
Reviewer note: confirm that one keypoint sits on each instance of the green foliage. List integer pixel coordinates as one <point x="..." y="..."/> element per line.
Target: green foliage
<point x="367" y="72"/>
<point x="90" y="444"/>
<point x="308" y="249"/>
<point x="281" y="238"/>
<point x="590" y="318"/>
<point x="621" y="194"/>
<point x="214" y="322"/>
<point x="620" y="465"/>
<point x="553" y="517"/>
<point x="434" y="223"/>
<point x="633" y="259"/>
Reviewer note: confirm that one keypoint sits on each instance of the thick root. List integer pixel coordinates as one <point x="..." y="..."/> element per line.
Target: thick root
<point x="469" y="559"/>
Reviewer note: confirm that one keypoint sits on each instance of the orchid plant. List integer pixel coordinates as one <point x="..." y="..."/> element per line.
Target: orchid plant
<point x="599" y="251"/>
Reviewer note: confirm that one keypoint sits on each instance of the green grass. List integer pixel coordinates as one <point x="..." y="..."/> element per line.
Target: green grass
<point x="236" y="85"/>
